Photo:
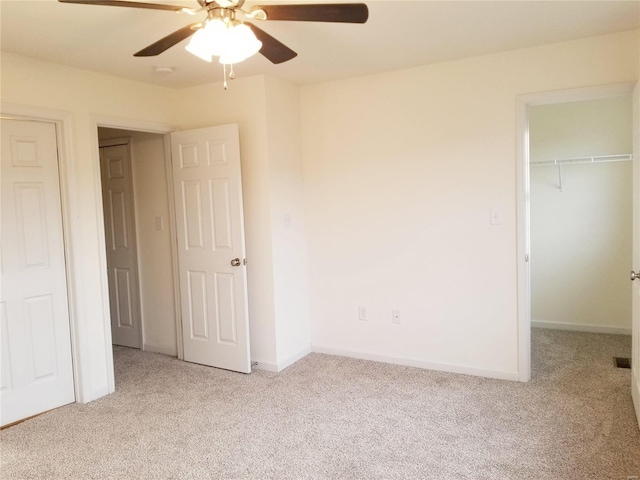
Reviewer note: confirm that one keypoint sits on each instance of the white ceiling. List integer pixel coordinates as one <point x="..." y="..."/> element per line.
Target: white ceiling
<point x="399" y="34"/>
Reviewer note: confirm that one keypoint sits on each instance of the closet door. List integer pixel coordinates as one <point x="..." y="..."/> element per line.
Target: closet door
<point x="37" y="371"/>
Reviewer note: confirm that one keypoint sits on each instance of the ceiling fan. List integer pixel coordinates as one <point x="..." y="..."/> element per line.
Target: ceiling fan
<point x="221" y="20"/>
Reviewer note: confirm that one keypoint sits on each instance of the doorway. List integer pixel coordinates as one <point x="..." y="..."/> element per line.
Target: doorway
<point x="205" y="302"/>
<point x="581" y="215"/>
<point x="152" y="239"/>
<point x="525" y="104"/>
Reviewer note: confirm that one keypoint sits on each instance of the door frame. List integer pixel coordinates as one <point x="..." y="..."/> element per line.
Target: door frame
<point x="104" y="121"/>
<point x="523" y="226"/>
<point x="63" y="122"/>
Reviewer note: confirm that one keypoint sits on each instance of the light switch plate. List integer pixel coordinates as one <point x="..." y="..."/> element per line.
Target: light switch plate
<point x="496" y="216"/>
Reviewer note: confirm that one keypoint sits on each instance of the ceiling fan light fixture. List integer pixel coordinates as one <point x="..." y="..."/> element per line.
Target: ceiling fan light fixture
<point x="233" y="42"/>
<point x="241" y="44"/>
<point x="199" y="45"/>
<point x="216" y="33"/>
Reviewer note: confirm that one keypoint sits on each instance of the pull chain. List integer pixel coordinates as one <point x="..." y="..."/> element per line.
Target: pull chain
<point x="231" y="76"/>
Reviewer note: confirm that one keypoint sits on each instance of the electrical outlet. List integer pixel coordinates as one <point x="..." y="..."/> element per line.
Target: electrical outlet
<point x="362" y="313"/>
<point x="395" y="316"/>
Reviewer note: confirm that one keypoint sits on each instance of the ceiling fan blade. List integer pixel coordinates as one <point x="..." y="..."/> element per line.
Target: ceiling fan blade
<point x="273" y="49"/>
<point x="167" y="42"/>
<point x="327" y="12"/>
<point x="119" y="3"/>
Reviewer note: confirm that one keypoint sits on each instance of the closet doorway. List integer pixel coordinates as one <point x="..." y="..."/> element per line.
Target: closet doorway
<point x="580" y="158"/>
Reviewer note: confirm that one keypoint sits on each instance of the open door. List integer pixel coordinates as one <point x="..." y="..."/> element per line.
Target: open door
<point x="635" y="328"/>
<point x="211" y="248"/>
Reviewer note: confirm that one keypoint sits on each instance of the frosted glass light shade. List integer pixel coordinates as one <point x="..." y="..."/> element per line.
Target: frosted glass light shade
<point x="217" y="37"/>
<point x="198" y="45"/>
<point x="233" y="43"/>
<point x="242" y="44"/>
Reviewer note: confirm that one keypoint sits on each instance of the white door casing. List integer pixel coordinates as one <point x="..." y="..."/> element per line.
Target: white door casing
<point x="37" y="370"/>
<point x="523" y="241"/>
<point x="635" y="308"/>
<point x="211" y="249"/>
<point x="120" y="241"/>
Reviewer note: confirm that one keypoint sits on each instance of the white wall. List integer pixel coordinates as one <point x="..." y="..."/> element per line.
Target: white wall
<point x="400" y="173"/>
<point x="290" y="266"/>
<point x="154" y="246"/>
<point x="578" y="129"/>
<point x="581" y="237"/>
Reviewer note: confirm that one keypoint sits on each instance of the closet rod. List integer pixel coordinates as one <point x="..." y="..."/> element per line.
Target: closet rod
<point x="578" y="160"/>
<point x="593" y="159"/>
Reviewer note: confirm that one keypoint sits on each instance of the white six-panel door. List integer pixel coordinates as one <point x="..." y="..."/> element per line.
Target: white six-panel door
<point x="211" y="250"/>
<point x="119" y="226"/>
<point x="37" y="370"/>
<point x="635" y="306"/>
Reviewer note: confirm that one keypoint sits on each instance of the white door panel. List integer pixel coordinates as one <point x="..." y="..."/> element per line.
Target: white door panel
<point x="37" y="372"/>
<point x="119" y="226"/>
<point x="208" y="191"/>
<point x="635" y="308"/>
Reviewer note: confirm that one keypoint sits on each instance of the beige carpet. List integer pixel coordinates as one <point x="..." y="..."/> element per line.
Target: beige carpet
<point x="337" y="418"/>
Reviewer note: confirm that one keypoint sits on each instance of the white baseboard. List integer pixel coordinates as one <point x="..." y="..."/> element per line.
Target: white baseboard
<point x="278" y="367"/>
<point x="294" y="358"/>
<point x="266" y="366"/>
<point x="581" y="328"/>
<point x="410" y="362"/>
<point x="164" y="349"/>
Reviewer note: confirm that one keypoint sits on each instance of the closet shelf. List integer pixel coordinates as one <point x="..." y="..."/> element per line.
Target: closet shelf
<point x="581" y="160"/>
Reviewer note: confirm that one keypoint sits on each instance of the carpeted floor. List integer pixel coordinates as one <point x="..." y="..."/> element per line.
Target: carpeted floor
<point x="330" y="417"/>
